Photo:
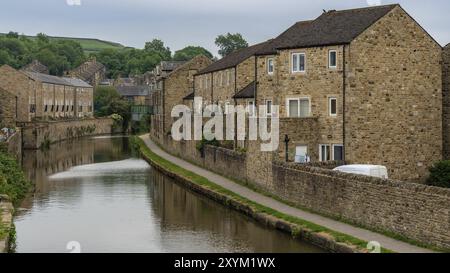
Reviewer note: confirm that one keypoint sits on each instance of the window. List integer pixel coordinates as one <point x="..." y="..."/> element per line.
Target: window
<point x="332" y="59"/>
<point x="228" y="77"/>
<point x="269" y="108"/>
<point x="298" y="107"/>
<point x="46" y="108"/>
<point x="301" y="154"/>
<point x="338" y="152"/>
<point x="298" y="62"/>
<point x="251" y="108"/>
<point x="32" y="108"/>
<point x="324" y="152"/>
<point x="332" y="106"/>
<point x="270" y="67"/>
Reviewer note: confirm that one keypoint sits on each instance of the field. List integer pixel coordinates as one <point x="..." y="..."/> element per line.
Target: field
<point x="89" y="45"/>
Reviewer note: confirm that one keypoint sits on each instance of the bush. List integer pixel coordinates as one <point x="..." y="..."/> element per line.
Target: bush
<point x="440" y="174"/>
<point x="12" y="179"/>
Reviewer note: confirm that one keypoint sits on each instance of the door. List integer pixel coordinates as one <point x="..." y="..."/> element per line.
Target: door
<point x="301" y="153"/>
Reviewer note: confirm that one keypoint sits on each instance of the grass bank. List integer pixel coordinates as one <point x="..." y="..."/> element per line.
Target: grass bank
<point x="308" y="231"/>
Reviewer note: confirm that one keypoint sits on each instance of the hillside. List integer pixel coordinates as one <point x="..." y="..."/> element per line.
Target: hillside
<point x="89" y="45"/>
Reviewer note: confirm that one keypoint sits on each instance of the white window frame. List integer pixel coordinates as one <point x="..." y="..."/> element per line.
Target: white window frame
<point x="320" y="152"/>
<point x="330" y="99"/>
<point x="332" y="150"/>
<point x="329" y="58"/>
<point x="298" y="99"/>
<point x="269" y="114"/>
<point x="298" y="54"/>
<point x="270" y="60"/>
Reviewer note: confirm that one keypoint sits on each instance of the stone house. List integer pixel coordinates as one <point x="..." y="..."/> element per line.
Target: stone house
<point x="446" y="100"/>
<point x="42" y="96"/>
<point x="138" y="97"/>
<point x="229" y="80"/>
<point x="170" y="89"/>
<point x="360" y="85"/>
<point x="36" y="66"/>
<point x="91" y="71"/>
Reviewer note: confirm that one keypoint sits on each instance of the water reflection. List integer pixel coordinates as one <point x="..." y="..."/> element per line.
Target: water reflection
<point x="93" y="191"/>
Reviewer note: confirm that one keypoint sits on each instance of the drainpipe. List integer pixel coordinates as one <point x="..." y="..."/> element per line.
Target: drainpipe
<point x="235" y="105"/>
<point x="344" y="82"/>
<point x="163" y="106"/>
<point x="256" y="82"/>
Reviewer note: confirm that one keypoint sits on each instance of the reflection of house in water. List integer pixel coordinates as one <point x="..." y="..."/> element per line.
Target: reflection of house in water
<point x="178" y="208"/>
<point x="62" y="156"/>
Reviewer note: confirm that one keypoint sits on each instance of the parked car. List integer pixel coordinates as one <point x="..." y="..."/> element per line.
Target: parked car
<point x="369" y="170"/>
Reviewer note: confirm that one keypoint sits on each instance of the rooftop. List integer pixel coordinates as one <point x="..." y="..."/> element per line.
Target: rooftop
<point x="133" y="91"/>
<point x="247" y="92"/>
<point x="234" y="58"/>
<point x="57" y="80"/>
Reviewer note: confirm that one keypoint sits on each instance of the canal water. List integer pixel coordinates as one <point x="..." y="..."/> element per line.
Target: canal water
<point x="93" y="195"/>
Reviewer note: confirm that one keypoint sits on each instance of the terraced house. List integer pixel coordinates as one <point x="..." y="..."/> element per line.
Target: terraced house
<point x="41" y="96"/>
<point x="174" y="82"/>
<point x="361" y="85"/>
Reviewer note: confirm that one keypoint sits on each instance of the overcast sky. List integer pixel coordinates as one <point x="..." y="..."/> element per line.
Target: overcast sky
<point x="190" y="22"/>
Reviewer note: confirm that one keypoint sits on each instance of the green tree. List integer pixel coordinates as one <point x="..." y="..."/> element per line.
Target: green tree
<point x="190" y="52"/>
<point x="157" y="46"/>
<point x="12" y="34"/>
<point x="229" y="43"/>
<point x="107" y="101"/>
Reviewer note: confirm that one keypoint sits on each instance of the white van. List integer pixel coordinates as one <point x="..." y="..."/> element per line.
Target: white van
<point x="369" y="170"/>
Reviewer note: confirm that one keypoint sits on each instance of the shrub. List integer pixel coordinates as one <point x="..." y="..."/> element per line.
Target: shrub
<point x="440" y="174"/>
<point x="12" y="179"/>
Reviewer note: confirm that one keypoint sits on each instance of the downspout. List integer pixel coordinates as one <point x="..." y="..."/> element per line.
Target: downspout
<point x="163" y="106"/>
<point x="212" y="87"/>
<point x="344" y="83"/>
<point x="235" y="105"/>
<point x="256" y="83"/>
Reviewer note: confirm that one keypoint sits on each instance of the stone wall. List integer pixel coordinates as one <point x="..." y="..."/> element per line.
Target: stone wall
<point x="6" y="219"/>
<point x="411" y="210"/>
<point x="14" y="145"/>
<point x="18" y="84"/>
<point x="394" y="98"/>
<point x="8" y="109"/>
<point x="446" y="100"/>
<point x="37" y="134"/>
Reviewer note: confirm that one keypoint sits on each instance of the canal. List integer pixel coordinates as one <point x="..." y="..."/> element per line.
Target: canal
<point x="93" y="194"/>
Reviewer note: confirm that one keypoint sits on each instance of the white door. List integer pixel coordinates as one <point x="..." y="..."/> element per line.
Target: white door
<point x="300" y="154"/>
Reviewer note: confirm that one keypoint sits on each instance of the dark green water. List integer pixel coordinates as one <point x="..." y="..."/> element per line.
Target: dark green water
<point x="93" y="194"/>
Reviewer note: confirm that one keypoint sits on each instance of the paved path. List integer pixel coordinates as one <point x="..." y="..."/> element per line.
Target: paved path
<point x="386" y="242"/>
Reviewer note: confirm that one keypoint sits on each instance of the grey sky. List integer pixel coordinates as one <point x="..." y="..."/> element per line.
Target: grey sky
<point x="190" y="22"/>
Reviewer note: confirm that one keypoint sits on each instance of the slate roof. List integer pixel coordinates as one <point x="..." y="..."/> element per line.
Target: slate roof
<point x="87" y="70"/>
<point x="36" y="66"/>
<point x="56" y="80"/>
<point x="170" y="65"/>
<point x="133" y="91"/>
<point x="234" y="58"/>
<point x="191" y="96"/>
<point x="247" y="93"/>
<point x="77" y="82"/>
<point x="332" y="27"/>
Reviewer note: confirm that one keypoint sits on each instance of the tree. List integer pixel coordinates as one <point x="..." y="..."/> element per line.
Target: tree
<point x="107" y="101"/>
<point x="157" y="46"/>
<point x="190" y="52"/>
<point x="12" y="34"/>
<point x="229" y="43"/>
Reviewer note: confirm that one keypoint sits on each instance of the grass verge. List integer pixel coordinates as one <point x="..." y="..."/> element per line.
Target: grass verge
<point x="204" y="182"/>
